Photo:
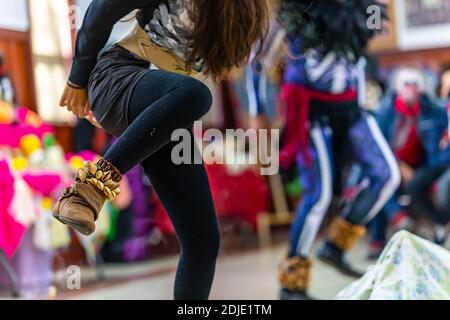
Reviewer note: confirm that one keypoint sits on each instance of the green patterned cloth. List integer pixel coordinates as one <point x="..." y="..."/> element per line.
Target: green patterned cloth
<point x="410" y="268"/>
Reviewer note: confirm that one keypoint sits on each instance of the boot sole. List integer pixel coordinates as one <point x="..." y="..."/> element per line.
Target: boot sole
<point x="81" y="228"/>
<point x="284" y="296"/>
<point x="338" y="267"/>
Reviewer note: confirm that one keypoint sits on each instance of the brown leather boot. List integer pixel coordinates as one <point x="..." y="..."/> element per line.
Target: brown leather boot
<point x="80" y="204"/>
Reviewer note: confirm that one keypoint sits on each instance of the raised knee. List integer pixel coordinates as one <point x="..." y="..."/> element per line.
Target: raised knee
<point x="198" y="96"/>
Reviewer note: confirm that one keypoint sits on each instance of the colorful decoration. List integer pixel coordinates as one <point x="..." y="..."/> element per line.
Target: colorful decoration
<point x="54" y="156"/>
<point x="6" y="113"/>
<point x="11" y="231"/>
<point x="19" y="163"/>
<point x="37" y="158"/>
<point x="47" y="203"/>
<point x="29" y="144"/>
<point x="76" y="162"/>
<point x="48" y="140"/>
<point x="28" y="117"/>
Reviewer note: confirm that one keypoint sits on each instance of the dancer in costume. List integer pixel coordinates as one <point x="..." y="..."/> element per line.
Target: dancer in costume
<point x="326" y="129"/>
<point x="142" y="90"/>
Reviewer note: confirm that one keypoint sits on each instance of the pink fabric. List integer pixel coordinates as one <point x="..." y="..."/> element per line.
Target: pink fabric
<point x="88" y="155"/>
<point x="85" y="155"/>
<point x="10" y="134"/>
<point x="21" y="114"/>
<point x="43" y="183"/>
<point x="28" y="117"/>
<point x="11" y="231"/>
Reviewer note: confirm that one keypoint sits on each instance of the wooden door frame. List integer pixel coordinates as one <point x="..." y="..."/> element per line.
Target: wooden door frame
<point x="24" y="38"/>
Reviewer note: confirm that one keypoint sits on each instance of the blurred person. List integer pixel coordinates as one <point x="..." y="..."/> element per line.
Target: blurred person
<point x="262" y="74"/>
<point x="414" y="126"/>
<point x="441" y="196"/>
<point x="264" y="69"/>
<point x="326" y="130"/>
<point x="429" y="188"/>
<point x="375" y="87"/>
<point x="6" y="87"/>
<point x="142" y="90"/>
<point x="427" y="200"/>
<point x="444" y="91"/>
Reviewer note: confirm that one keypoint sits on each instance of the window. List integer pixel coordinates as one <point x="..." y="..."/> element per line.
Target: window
<point x="52" y="51"/>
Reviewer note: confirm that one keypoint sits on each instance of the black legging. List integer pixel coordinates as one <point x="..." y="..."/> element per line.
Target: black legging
<point x="161" y="103"/>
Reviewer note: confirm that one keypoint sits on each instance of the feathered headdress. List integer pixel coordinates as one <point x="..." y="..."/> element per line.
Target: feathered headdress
<point x="334" y="25"/>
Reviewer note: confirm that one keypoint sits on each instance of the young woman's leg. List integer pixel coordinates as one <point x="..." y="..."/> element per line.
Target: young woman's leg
<point x="161" y="103"/>
<point x="184" y="191"/>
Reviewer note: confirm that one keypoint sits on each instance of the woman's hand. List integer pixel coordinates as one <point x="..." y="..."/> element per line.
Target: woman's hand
<point x="76" y="101"/>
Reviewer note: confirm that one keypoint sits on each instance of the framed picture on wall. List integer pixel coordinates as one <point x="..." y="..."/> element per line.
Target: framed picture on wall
<point x="422" y="24"/>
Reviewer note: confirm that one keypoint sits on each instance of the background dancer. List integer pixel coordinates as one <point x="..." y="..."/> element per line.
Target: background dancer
<point x="326" y="129"/>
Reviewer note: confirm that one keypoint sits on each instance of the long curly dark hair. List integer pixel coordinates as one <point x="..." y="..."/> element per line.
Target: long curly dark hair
<point x="225" y="32"/>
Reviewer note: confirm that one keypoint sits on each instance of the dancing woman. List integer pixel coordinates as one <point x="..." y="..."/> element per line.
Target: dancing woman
<point x="141" y="90"/>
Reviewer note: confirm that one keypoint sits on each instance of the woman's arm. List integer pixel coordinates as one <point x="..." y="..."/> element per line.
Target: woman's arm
<point x="94" y="34"/>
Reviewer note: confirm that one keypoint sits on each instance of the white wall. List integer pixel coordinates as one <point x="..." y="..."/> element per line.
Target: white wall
<point x="14" y="15"/>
